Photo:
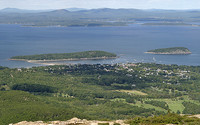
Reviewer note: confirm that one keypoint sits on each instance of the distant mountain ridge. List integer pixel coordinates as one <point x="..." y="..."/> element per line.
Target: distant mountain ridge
<point x="76" y="9"/>
<point x="94" y="17"/>
<point x="16" y="10"/>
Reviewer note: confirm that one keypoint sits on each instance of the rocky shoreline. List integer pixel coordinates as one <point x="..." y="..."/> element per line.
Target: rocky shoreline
<point x="55" y="62"/>
<point x="73" y="121"/>
<point x="76" y="121"/>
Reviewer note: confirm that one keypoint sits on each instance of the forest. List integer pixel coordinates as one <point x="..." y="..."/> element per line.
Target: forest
<point x="98" y="91"/>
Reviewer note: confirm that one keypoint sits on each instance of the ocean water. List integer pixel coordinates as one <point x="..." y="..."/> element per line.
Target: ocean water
<point x="128" y="42"/>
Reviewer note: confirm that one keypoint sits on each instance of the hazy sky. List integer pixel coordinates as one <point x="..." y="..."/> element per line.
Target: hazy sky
<point x="139" y="4"/>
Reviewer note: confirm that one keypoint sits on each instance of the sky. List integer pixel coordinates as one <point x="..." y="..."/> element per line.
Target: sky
<point x="91" y="4"/>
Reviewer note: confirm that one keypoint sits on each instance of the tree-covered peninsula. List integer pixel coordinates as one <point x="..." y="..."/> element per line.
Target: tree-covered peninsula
<point x="171" y="51"/>
<point x="68" y="56"/>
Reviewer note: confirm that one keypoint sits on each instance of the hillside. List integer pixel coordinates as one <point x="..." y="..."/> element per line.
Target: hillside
<point x="171" y="51"/>
<point x="97" y="92"/>
<point x="68" y="56"/>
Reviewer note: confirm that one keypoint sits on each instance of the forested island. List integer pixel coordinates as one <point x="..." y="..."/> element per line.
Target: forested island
<point x="171" y="51"/>
<point x="85" y="55"/>
<point x="170" y="24"/>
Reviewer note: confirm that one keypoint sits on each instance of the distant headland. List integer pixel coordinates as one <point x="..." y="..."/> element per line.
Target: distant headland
<point x="85" y="55"/>
<point x="171" y="51"/>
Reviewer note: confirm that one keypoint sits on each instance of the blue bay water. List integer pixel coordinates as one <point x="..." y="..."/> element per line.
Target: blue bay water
<point x="128" y="42"/>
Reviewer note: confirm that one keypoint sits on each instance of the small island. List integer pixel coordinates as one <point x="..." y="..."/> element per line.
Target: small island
<point x="171" y="51"/>
<point x="86" y="55"/>
<point x="170" y="24"/>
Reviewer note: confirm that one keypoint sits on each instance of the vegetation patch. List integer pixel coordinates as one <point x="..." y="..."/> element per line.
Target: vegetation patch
<point x="175" y="105"/>
<point x="34" y="88"/>
<point x="165" y="119"/>
<point x="103" y="123"/>
<point x="149" y="106"/>
<point x="135" y="92"/>
<point x="19" y="106"/>
<point x="161" y="104"/>
<point x="191" y="108"/>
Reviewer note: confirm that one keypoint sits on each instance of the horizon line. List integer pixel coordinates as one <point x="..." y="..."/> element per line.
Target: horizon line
<point x="97" y="8"/>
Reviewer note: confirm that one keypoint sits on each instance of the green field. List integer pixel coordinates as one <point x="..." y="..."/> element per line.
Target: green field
<point x="134" y="92"/>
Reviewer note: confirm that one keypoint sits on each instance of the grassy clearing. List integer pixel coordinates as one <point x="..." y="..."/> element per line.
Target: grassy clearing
<point x="175" y="105"/>
<point x="119" y="100"/>
<point x="134" y="92"/>
<point x="148" y="106"/>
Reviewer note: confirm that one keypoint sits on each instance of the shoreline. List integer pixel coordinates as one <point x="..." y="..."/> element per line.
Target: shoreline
<point x="50" y="62"/>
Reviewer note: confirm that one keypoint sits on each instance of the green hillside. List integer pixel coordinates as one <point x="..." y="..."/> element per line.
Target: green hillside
<point x="99" y="92"/>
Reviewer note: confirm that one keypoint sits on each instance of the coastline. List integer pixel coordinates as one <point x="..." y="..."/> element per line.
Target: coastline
<point x="50" y="62"/>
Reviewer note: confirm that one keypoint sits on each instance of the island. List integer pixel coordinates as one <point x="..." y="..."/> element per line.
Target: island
<point x="85" y="55"/>
<point x="171" y="51"/>
<point x="170" y="24"/>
